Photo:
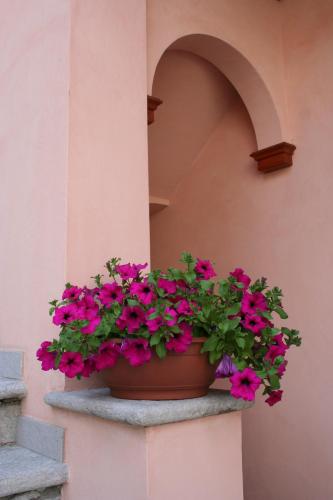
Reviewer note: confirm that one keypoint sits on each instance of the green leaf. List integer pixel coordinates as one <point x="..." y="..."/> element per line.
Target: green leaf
<point x="281" y="312"/>
<point x="240" y="342"/>
<point x="274" y="381"/>
<point x="155" y="339"/>
<point x="210" y="344"/>
<point x="206" y="284"/>
<point x="232" y="310"/>
<point x="161" y="350"/>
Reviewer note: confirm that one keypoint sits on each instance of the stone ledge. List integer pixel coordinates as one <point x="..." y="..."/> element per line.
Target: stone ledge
<point x="11" y="389"/>
<point x="22" y="470"/>
<point x="99" y="403"/>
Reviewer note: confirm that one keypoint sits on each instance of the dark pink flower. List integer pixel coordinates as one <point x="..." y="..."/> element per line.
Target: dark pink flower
<point x="72" y="293"/>
<point x="88" y="309"/>
<point x="244" y="384"/>
<point x="282" y="368"/>
<point x="183" y="308"/>
<point x="274" y="397"/>
<point x="277" y="349"/>
<point x="65" y="314"/>
<point x="136" y="351"/>
<point x="170" y="316"/>
<point x="109" y="293"/>
<point x="204" y="269"/>
<point x="89" y="367"/>
<point x="107" y="355"/>
<point x="155" y="323"/>
<point x="254" y="323"/>
<point x="91" y="327"/>
<point x="180" y="341"/>
<point x="131" y="318"/>
<point x="252" y="302"/>
<point x="47" y="358"/>
<point x="168" y="286"/>
<point x="71" y="364"/>
<point x="241" y="277"/>
<point x="130" y="271"/>
<point x="143" y="291"/>
<point x="226" y="368"/>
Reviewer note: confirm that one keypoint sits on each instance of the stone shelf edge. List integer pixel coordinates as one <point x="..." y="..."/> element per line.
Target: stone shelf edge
<point x="99" y="403"/>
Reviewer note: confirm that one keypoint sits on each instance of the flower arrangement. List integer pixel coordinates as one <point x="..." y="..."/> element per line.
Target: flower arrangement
<point x="135" y="314"/>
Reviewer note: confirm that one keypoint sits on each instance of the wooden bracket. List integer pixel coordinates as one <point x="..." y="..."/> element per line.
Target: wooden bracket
<point x="274" y="157"/>
<point x="152" y="105"/>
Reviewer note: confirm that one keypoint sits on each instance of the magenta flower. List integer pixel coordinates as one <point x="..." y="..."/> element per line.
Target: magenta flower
<point x="65" y="314"/>
<point x="155" y="323"/>
<point x="274" y="397"/>
<point x="89" y="367"/>
<point x="130" y="271"/>
<point x="170" y="316"/>
<point x="180" y="341"/>
<point x="252" y="302"/>
<point x="241" y="277"/>
<point x="88" y="309"/>
<point x="91" y="327"/>
<point x="226" y="368"/>
<point x="278" y="349"/>
<point x="131" y="318"/>
<point x="254" y="323"/>
<point x="136" y="351"/>
<point x="71" y="364"/>
<point x="282" y="368"/>
<point x="107" y="355"/>
<point x="204" y="269"/>
<point x="168" y="286"/>
<point x="46" y="357"/>
<point x="109" y="293"/>
<point x="183" y="308"/>
<point x="244" y="384"/>
<point x="143" y="291"/>
<point x="72" y="293"/>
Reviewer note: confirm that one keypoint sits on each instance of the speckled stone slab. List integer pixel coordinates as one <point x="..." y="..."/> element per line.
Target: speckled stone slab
<point x="11" y="388"/>
<point x="10" y="409"/>
<point x="42" y="494"/>
<point x="22" y="471"/>
<point x="98" y="402"/>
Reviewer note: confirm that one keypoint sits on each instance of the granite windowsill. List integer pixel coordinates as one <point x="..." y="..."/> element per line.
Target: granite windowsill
<point x="99" y="403"/>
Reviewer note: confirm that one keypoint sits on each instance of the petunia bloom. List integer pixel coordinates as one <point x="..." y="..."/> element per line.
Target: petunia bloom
<point x="109" y="293"/>
<point x="131" y="318"/>
<point x="204" y="269"/>
<point x="46" y="357"/>
<point x="244" y="384"/>
<point x="107" y="355"/>
<point x="130" y="271"/>
<point x="254" y="323"/>
<point x="71" y="364"/>
<point x="277" y="349"/>
<point x="183" y="308"/>
<point x="143" y="291"/>
<point x="155" y="323"/>
<point x="170" y="316"/>
<point x="226" y="368"/>
<point x="91" y="327"/>
<point x="89" y="367"/>
<point x="274" y="397"/>
<point x="167" y="286"/>
<point x="88" y="309"/>
<point x="180" y="341"/>
<point x="72" y="293"/>
<point x="136" y="351"/>
<point x="252" y="302"/>
<point x="241" y="277"/>
<point x="65" y="314"/>
<point x="282" y="368"/>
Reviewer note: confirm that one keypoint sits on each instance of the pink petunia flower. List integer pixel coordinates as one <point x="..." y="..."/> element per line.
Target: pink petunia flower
<point x="241" y="277"/>
<point x="88" y="309"/>
<point x="71" y="364"/>
<point x="130" y="271"/>
<point x="183" y="308"/>
<point x="46" y="357"/>
<point x="244" y="384"/>
<point x="172" y="316"/>
<point x="109" y="293"/>
<point x="136" y="351"/>
<point x="66" y="314"/>
<point x="131" y="318"/>
<point x="278" y="349"/>
<point x="282" y="368"/>
<point x="180" y="342"/>
<point x="72" y="293"/>
<point x="252" y="302"/>
<point x="107" y="355"/>
<point x="226" y="368"/>
<point x="254" y="323"/>
<point x="204" y="269"/>
<point x="155" y="323"/>
<point x="89" y="367"/>
<point x="143" y="291"/>
<point x="91" y="327"/>
<point x="274" y="397"/>
<point x="168" y="286"/>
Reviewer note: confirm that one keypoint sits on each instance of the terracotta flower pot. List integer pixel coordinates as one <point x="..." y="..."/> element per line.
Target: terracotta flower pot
<point x="177" y="376"/>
